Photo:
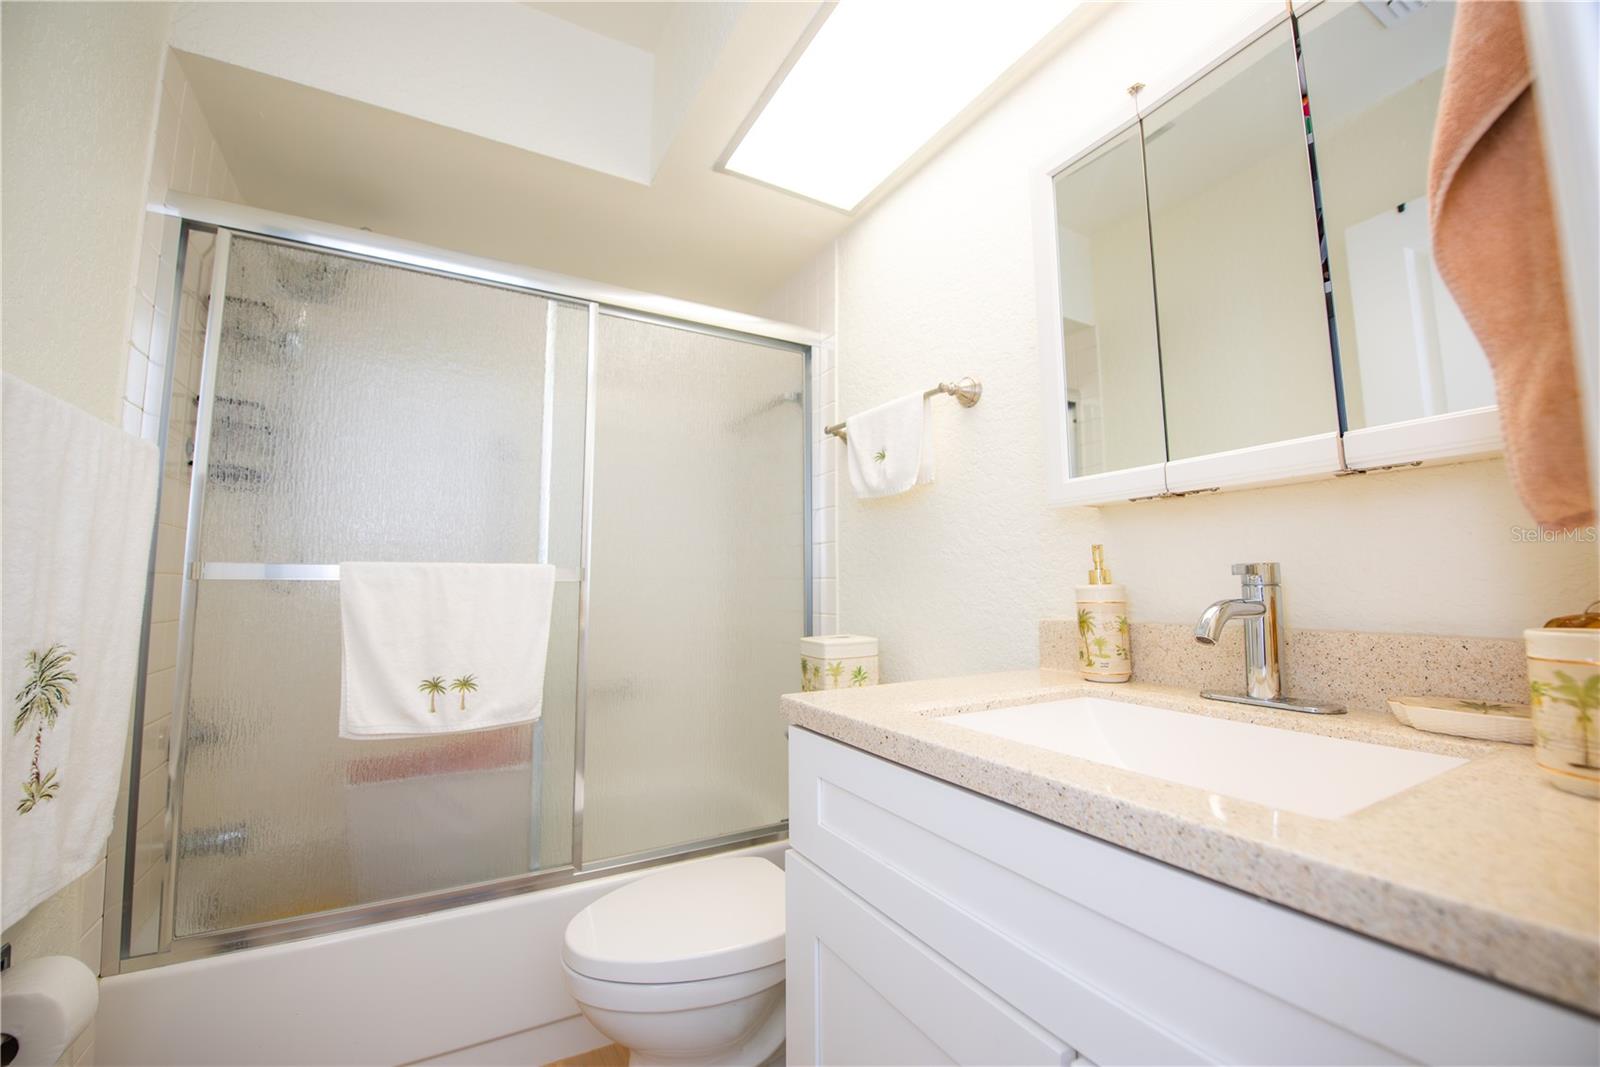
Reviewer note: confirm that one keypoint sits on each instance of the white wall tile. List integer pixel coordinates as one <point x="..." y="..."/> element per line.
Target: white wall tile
<point x="89" y="948"/>
<point x="144" y="313"/>
<point x="169" y="542"/>
<point x="158" y="337"/>
<point x="824" y="524"/>
<point x="154" y="742"/>
<point x="149" y="267"/>
<point x="159" y="688"/>
<point x="164" y="598"/>
<point x="175" y="503"/>
<point x="155" y="386"/>
<point x="822" y="486"/>
<point x="138" y="370"/>
<point x="163" y="645"/>
<point x="171" y="228"/>
<point x="153" y="786"/>
<point x="93" y="900"/>
<point x="825" y="596"/>
<point x="150" y="842"/>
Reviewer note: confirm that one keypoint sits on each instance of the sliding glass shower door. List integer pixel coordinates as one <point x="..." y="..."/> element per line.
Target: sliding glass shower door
<point x="697" y="595"/>
<point x="329" y="407"/>
<point x="362" y="411"/>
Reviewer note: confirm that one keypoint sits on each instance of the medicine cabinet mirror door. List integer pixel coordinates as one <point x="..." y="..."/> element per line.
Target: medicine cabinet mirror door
<point x="1102" y="372"/>
<point x="1416" y="383"/>
<point x="1246" y="358"/>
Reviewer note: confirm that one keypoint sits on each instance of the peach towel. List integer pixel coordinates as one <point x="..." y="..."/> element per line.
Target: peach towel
<point x="1495" y="243"/>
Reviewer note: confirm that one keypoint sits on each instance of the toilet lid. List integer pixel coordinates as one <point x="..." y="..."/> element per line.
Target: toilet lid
<point x="703" y="919"/>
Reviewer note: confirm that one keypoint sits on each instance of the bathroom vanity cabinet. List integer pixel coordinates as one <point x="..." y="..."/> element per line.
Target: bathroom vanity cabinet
<point x="928" y="924"/>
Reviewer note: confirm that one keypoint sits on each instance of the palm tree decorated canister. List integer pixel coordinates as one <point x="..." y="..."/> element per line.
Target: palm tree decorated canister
<point x="838" y="661"/>
<point x="1105" y="652"/>
<point x="1564" y="689"/>
<point x="40" y="702"/>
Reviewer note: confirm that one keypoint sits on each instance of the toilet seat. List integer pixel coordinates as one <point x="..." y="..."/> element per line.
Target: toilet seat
<point x="713" y="919"/>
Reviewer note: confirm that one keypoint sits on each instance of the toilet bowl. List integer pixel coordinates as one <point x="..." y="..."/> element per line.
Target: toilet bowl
<point x="685" y="966"/>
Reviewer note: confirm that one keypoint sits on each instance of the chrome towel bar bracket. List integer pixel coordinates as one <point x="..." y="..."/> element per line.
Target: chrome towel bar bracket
<point x="967" y="391"/>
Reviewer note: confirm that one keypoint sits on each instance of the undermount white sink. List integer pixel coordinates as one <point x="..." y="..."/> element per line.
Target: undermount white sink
<point x="1324" y="777"/>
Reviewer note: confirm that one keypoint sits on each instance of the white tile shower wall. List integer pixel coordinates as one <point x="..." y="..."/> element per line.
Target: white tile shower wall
<point x="809" y="298"/>
<point x="184" y="157"/>
<point x="149" y="863"/>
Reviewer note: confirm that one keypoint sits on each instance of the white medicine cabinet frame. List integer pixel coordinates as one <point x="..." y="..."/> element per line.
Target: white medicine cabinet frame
<point x="1333" y="443"/>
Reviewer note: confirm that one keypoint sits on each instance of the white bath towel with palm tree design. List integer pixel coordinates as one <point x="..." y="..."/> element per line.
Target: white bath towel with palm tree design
<point x="891" y="447"/>
<point x="77" y="508"/>
<point x="438" y="648"/>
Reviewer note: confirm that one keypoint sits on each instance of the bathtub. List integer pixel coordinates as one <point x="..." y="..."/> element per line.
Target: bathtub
<point x="478" y="984"/>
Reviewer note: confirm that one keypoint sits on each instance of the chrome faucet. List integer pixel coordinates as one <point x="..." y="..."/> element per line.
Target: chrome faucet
<point x="1257" y="608"/>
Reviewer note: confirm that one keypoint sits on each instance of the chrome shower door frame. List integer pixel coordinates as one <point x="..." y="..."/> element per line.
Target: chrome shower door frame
<point x="226" y="220"/>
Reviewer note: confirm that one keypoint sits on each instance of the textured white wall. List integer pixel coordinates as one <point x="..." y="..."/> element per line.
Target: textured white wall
<point x="937" y="282"/>
<point x="80" y="91"/>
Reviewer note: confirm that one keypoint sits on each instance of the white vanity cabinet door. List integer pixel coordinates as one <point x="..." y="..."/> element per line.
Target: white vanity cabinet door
<point x="862" y="991"/>
<point x="1128" y="960"/>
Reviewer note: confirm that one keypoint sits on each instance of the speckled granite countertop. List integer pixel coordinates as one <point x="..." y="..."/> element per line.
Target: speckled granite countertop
<point x="1485" y="867"/>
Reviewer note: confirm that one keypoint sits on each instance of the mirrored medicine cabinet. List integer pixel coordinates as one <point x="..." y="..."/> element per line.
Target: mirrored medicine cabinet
<point x="1194" y="337"/>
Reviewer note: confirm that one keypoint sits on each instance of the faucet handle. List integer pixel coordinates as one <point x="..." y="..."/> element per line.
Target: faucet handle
<point x="1257" y="573"/>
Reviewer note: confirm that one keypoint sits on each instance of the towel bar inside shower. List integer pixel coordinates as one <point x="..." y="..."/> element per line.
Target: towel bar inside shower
<point x="968" y="391"/>
<point x="298" y="572"/>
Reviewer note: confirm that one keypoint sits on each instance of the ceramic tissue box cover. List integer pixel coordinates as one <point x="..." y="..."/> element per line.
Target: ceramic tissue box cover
<point x="1103" y="641"/>
<point x="838" y="661"/>
<point x="1564" y="682"/>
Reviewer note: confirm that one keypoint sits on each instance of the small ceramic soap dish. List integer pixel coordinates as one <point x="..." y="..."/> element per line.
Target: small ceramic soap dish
<point x="1488" y="720"/>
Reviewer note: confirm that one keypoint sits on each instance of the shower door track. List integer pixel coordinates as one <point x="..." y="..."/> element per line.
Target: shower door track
<point x="199" y="213"/>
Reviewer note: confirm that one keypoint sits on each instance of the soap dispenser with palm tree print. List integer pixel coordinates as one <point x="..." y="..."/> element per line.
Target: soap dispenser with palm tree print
<point x="1105" y="652"/>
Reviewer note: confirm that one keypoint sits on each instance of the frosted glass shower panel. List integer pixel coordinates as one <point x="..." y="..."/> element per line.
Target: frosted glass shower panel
<point x="697" y="585"/>
<point x="370" y="412"/>
<point x="364" y="411"/>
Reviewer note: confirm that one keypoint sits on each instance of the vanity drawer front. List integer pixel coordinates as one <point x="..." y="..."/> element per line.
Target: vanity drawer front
<point x="862" y="991"/>
<point x="1129" y="960"/>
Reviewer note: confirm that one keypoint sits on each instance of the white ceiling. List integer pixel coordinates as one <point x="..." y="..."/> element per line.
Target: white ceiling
<point x="638" y="24"/>
<point x="689" y="231"/>
<point x="576" y="137"/>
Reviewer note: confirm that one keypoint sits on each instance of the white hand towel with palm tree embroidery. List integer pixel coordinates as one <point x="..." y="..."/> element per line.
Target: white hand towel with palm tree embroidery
<point x="437" y="648"/>
<point x="891" y="447"/>
<point x="78" y="499"/>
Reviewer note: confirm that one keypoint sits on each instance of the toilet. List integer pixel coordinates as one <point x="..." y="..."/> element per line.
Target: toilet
<point x="685" y="966"/>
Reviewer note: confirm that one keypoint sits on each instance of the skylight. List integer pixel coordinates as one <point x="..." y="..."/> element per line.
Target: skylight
<point x="876" y="83"/>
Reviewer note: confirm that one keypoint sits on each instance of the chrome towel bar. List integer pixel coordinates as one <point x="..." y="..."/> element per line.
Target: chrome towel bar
<point x="968" y="391"/>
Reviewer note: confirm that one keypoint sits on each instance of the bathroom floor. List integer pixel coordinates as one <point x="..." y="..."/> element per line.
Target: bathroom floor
<point x="609" y="1056"/>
